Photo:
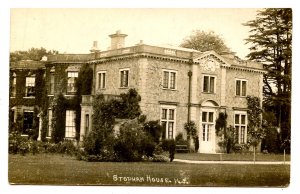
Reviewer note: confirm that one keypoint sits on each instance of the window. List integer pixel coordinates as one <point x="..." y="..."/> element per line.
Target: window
<point x="207" y="125"/>
<point x="30" y="87"/>
<point x="124" y="78"/>
<point x="168" y="122"/>
<point x="27" y="121"/>
<point x="169" y="79"/>
<point x="49" y="131"/>
<point x="51" y="84"/>
<point x="240" y="127"/>
<point x="240" y="87"/>
<point x="208" y="84"/>
<point x="13" y="86"/>
<point x="87" y="123"/>
<point x="72" y="76"/>
<point x="70" y="124"/>
<point x="101" y="80"/>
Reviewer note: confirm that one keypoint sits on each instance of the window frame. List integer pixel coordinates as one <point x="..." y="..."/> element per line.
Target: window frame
<point x="207" y="125"/>
<point x="168" y="121"/>
<point x="27" y="86"/>
<point x="169" y="79"/>
<point x="68" y="78"/>
<point x="241" y="87"/>
<point x="49" y="130"/>
<point x="209" y="84"/>
<point x="120" y="77"/>
<point x="70" y="129"/>
<point x="239" y="125"/>
<point x="98" y="85"/>
<point x="13" y="86"/>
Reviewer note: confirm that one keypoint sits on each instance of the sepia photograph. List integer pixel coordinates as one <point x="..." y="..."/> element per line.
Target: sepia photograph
<point x="156" y="97"/>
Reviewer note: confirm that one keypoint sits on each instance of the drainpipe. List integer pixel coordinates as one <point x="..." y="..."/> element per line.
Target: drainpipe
<point x="190" y="73"/>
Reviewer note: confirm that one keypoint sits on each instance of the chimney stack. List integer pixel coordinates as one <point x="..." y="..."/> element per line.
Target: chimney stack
<point x="94" y="48"/>
<point x="117" y="40"/>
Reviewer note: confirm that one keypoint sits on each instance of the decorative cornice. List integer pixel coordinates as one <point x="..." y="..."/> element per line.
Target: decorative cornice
<point x="168" y="103"/>
<point x="262" y="71"/>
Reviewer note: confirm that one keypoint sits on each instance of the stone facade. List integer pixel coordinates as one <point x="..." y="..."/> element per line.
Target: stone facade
<point x="161" y="77"/>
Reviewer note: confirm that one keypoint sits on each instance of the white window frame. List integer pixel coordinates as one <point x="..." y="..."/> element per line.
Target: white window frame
<point x="209" y="89"/>
<point x="50" y="115"/>
<point x="207" y="126"/>
<point x="70" y="124"/>
<point x="29" y="82"/>
<point x="102" y="84"/>
<point x="51" y="85"/>
<point x="168" y="86"/>
<point x="71" y="74"/>
<point x="168" y="120"/>
<point x="14" y="86"/>
<point x="241" y="87"/>
<point x="120" y="78"/>
<point x="238" y="126"/>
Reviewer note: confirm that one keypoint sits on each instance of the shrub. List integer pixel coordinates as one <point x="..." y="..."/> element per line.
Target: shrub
<point x="179" y="140"/>
<point x="154" y="129"/>
<point x="170" y="146"/>
<point x="160" y="158"/>
<point x="18" y="144"/>
<point x="271" y="141"/>
<point x="196" y="140"/>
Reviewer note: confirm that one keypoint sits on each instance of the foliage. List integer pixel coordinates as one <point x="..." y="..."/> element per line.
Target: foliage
<point x="180" y="140"/>
<point x="255" y="132"/>
<point x="83" y="86"/>
<point x="196" y="143"/>
<point x="129" y="105"/>
<point x="132" y="143"/>
<point x="19" y="144"/>
<point x="271" y="141"/>
<point x="154" y="129"/>
<point x="35" y="54"/>
<point x="191" y="131"/>
<point x="271" y="44"/>
<point x="169" y="145"/>
<point x="160" y="158"/>
<point x="221" y="123"/>
<point x="205" y="41"/>
<point x="58" y="119"/>
<point x="227" y="142"/>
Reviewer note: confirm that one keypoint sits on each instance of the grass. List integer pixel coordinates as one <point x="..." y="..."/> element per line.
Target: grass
<point x="232" y="157"/>
<point x="45" y="169"/>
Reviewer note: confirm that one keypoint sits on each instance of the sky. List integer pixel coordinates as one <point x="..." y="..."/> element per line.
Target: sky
<point x="74" y="30"/>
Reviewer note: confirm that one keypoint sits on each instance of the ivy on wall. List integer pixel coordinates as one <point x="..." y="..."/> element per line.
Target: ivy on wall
<point x="58" y="119"/>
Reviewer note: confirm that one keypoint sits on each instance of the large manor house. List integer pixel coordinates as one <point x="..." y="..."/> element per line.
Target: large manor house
<point x="176" y="85"/>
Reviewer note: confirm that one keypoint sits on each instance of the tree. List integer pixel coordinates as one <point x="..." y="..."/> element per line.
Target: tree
<point x="271" y="44"/>
<point x="35" y="54"/>
<point x="205" y="41"/>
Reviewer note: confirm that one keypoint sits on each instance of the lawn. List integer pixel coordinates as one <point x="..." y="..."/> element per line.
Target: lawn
<point x="232" y="157"/>
<point x="57" y="170"/>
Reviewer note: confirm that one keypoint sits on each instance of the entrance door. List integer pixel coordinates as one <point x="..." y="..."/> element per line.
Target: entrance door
<point x="27" y="121"/>
<point x="207" y="132"/>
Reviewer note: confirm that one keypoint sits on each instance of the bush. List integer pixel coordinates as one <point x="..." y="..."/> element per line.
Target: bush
<point x="18" y="144"/>
<point x="271" y="142"/>
<point x="170" y="146"/>
<point x="179" y="139"/>
<point x="196" y="140"/>
<point x="160" y="158"/>
<point x="154" y="129"/>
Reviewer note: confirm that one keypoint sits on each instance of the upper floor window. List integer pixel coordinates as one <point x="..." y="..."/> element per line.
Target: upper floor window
<point x="240" y="87"/>
<point x="30" y="86"/>
<point x="49" y="131"/>
<point x="169" y="79"/>
<point x="101" y="82"/>
<point x="14" y="86"/>
<point x="72" y="76"/>
<point x="51" y="84"/>
<point x="240" y="125"/>
<point x="209" y="84"/>
<point x="124" y="78"/>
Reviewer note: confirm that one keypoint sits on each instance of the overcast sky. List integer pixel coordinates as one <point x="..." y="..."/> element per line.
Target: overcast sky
<point x="74" y="30"/>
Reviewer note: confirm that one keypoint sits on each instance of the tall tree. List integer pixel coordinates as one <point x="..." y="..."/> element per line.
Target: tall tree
<point x="35" y="54"/>
<point x="205" y="41"/>
<point x="271" y="44"/>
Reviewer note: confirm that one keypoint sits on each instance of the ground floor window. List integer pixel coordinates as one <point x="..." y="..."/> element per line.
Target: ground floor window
<point x="168" y="114"/>
<point x="207" y="125"/>
<point x="27" y="121"/>
<point x="49" y="131"/>
<point x="240" y="124"/>
<point x="70" y="124"/>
